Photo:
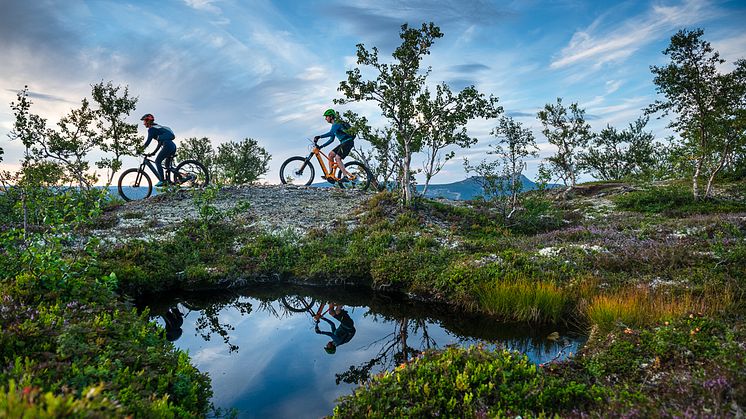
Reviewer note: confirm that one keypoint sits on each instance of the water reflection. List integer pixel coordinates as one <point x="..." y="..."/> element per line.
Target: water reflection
<point x="269" y="362"/>
<point x="340" y="335"/>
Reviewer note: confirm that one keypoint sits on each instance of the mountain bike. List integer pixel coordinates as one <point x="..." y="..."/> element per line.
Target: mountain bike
<point x="298" y="170"/>
<point x="135" y="183"/>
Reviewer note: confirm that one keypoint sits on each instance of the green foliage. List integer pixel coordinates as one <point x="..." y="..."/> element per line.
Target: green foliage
<point x="233" y="163"/>
<point x="471" y="382"/>
<point x="32" y="402"/>
<point x="673" y="201"/>
<point x="693" y="365"/>
<point x="615" y="155"/>
<point x="709" y="105"/>
<point x="117" y="136"/>
<point x="416" y="115"/>
<point x="242" y="162"/>
<point x="567" y="130"/>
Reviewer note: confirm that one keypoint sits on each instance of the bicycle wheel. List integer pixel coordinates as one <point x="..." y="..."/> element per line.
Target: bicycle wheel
<point x="191" y="174"/>
<point x="295" y="171"/>
<point x="134" y="184"/>
<point x="360" y="179"/>
<point x="297" y="304"/>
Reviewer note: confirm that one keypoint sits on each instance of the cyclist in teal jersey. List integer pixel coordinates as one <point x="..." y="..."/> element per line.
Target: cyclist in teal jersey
<point x="346" y="141"/>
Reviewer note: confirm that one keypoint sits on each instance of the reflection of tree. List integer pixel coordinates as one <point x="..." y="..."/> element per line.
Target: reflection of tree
<point x="208" y="322"/>
<point x="395" y="350"/>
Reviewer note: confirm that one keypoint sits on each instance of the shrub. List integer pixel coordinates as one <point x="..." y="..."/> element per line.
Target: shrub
<point x="673" y="201"/>
<point x="471" y="382"/>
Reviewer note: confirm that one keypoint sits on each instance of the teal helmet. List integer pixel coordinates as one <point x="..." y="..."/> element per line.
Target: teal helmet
<point x="330" y="112"/>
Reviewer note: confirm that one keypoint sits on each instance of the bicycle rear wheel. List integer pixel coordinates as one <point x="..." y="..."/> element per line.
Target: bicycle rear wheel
<point x="134" y="184"/>
<point x="295" y="171"/>
<point x="360" y="179"/>
<point x="191" y="174"/>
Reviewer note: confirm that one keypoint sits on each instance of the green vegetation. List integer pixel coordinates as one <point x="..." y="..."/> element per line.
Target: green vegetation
<point x="675" y="201"/>
<point x="465" y="383"/>
<point x="693" y="366"/>
<point x="69" y="346"/>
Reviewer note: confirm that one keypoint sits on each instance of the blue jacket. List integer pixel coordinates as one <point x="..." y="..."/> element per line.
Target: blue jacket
<point x="160" y="134"/>
<point x="338" y="131"/>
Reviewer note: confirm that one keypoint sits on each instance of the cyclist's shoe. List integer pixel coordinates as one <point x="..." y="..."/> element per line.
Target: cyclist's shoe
<point x="187" y="178"/>
<point x="344" y="179"/>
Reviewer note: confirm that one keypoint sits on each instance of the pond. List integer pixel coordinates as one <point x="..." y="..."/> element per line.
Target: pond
<point x="266" y="358"/>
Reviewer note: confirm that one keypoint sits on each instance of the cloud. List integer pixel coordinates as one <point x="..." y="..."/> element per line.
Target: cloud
<point x="204" y="5"/>
<point x="42" y="96"/>
<point x="519" y="114"/>
<point x="620" y="41"/>
<point x="377" y="21"/>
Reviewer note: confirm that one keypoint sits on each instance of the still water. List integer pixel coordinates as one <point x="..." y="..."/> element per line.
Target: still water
<point x="266" y="358"/>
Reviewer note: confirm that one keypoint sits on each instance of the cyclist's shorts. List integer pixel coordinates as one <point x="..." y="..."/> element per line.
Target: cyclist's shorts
<point x="344" y="149"/>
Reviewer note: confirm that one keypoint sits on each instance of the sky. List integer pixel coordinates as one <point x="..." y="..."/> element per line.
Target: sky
<point x="267" y="70"/>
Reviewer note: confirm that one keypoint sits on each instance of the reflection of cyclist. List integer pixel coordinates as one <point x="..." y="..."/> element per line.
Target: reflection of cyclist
<point x="346" y="140"/>
<point x="339" y="335"/>
<point x="173" y="320"/>
<point x="165" y="138"/>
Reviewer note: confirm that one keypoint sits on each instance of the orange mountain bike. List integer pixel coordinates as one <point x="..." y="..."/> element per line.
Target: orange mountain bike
<point x="298" y="170"/>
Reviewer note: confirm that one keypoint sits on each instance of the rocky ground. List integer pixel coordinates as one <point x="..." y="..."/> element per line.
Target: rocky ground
<point x="273" y="208"/>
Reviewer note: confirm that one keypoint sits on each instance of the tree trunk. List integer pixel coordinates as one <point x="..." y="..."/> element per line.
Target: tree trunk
<point x="723" y="158"/>
<point x="406" y="181"/>
<point x="695" y="177"/>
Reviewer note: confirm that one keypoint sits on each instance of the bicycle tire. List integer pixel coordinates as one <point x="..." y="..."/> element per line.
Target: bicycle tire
<point x="291" y="173"/>
<point x="131" y="186"/>
<point x="191" y="174"/>
<point x="361" y="173"/>
<point x="297" y="304"/>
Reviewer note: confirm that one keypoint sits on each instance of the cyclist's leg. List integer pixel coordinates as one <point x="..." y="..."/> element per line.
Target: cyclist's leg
<point x="332" y="155"/>
<point x="167" y="151"/>
<point x="343" y="150"/>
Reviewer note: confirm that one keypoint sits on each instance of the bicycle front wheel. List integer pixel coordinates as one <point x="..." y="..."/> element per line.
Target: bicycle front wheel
<point x="297" y="304"/>
<point x="134" y="184"/>
<point x="360" y="178"/>
<point x="296" y="171"/>
<point x="191" y="174"/>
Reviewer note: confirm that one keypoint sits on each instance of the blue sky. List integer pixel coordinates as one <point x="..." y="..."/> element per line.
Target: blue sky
<point x="230" y="69"/>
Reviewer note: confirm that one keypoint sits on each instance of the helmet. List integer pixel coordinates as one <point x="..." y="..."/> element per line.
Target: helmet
<point x="148" y="117"/>
<point x="330" y="112"/>
<point x="330" y="349"/>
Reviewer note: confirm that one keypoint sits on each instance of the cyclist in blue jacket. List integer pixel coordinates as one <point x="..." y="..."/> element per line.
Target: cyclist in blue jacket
<point x="346" y="141"/>
<point x="165" y="138"/>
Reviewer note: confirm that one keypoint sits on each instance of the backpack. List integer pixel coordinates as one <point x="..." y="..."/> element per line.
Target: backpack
<point x="348" y="129"/>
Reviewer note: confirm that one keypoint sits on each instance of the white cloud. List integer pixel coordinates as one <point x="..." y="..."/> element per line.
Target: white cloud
<point x="632" y="34"/>
<point x="204" y="5"/>
<point x="613" y="85"/>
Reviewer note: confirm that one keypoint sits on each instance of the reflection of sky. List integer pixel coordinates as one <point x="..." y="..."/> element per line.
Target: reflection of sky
<point x="281" y="368"/>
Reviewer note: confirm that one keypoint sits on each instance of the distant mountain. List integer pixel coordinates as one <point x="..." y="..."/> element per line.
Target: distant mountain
<point x="469" y="188"/>
<point x="462" y="190"/>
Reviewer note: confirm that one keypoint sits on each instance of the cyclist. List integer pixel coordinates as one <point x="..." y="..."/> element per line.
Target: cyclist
<point x="339" y="335"/>
<point x="165" y="138"/>
<point x="346" y="141"/>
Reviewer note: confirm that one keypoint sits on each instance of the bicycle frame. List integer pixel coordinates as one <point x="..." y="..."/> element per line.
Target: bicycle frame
<point x="328" y="173"/>
<point x="167" y="170"/>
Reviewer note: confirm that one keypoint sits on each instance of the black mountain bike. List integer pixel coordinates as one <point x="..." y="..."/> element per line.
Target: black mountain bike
<point x="135" y="183"/>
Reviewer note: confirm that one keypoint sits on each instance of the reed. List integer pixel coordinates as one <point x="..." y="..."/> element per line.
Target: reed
<point x="643" y="306"/>
<point x="523" y="300"/>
